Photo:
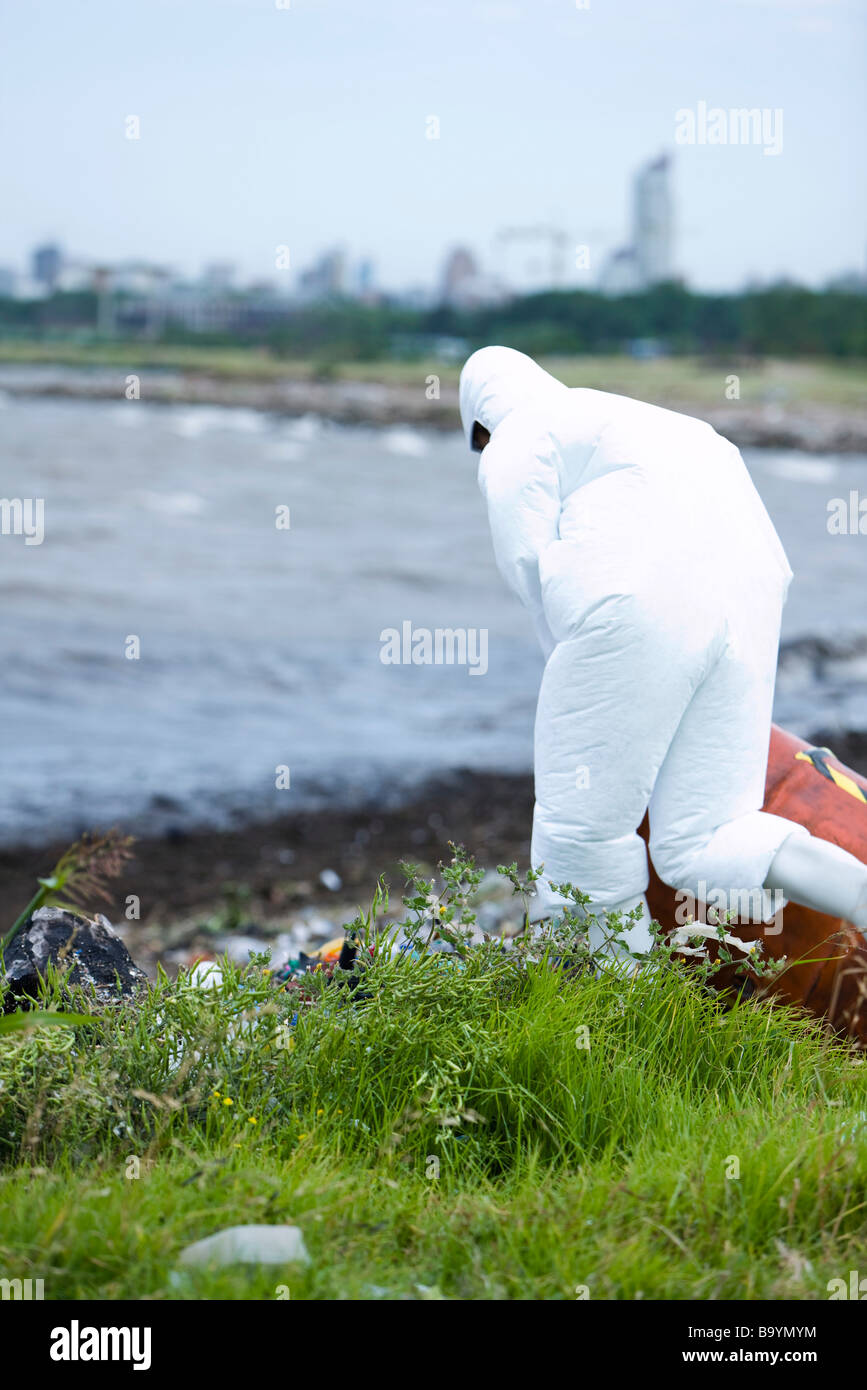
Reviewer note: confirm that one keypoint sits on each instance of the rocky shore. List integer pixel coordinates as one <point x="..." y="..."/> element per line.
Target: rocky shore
<point x="802" y="425"/>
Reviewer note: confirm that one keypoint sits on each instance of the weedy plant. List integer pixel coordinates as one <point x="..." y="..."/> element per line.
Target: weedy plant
<point x="81" y="874"/>
<point x="568" y="938"/>
<point x="418" y="1055"/>
<point x="485" y="1120"/>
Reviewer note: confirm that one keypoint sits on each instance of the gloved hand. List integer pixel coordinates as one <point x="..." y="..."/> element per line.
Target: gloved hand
<point x="822" y="876"/>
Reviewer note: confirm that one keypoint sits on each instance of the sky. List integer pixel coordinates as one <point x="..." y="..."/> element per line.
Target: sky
<point x="266" y="124"/>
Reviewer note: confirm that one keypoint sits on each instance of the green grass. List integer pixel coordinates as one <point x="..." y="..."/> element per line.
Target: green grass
<point x="673" y="380"/>
<point x="445" y="1137"/>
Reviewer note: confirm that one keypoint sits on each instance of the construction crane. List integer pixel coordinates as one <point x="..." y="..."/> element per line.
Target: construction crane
<point x="558" y="243"/>
<point x="556" y="239"/>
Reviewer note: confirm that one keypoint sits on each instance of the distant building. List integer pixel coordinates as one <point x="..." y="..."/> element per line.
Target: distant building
<point x="220" y="275"/>
<point x="47" y="265"/>
<point x="459" y="275"/>
<point x="326" y="278"/>
<point x="73" y="277"/>
<point x="141" y="277"/>
<point x="464" y="285"/>
<point x="365" y="280"/>
<point x="415" y="297"/>
<point x="653" y="222"/>
<point x="849" y="282"/>
<point x="649" y="257"/>
<point x="621" y="275"/>
<point x="27" y="288"/>
<point x="159" y="300"/>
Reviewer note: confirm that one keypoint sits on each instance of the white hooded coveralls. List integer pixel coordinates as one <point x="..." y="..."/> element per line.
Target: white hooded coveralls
<point x="655" y="581"/>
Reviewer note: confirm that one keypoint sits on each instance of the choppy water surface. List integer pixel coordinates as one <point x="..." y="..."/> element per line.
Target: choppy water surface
<point x="261" y="647"/>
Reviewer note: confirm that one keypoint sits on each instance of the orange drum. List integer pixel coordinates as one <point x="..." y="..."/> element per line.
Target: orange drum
<point x="827" y="970"/>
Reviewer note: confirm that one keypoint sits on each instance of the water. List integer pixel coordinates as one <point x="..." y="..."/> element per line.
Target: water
<point x="261" y="647"/>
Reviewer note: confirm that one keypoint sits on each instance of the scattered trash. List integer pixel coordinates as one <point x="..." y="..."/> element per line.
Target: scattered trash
<point x="312" y="924"/>
<point x="282" y="949"/>
<point x="855" y="1129"/>
<point x="265" y="1245"/>
<point x="239" y="948"/>
<point x="335" y="960"/>
<point x="206" y="974"/>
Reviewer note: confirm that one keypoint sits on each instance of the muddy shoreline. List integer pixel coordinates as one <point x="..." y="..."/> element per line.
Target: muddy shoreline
<point x="183" y="879"/>
<point x="806" y="426"/>
<point x="197" y="888"/>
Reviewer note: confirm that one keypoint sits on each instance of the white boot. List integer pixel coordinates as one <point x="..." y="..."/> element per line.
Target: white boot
<point x="821" y="876"/>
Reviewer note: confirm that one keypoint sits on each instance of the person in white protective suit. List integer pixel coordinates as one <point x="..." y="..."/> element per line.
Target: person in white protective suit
<point x="655" y="581"/>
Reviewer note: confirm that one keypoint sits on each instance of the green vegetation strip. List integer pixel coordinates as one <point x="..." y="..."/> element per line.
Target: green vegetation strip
<point x="684" y="381"/>
<point x="474" y="1129"/>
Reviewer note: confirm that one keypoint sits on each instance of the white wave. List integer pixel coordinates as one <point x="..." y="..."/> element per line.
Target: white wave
<point x="130" y="415"/>
<point x="242" y="419"/>
<point x="192" y="421"/>
<point x="172" y="503"/>
<point x="305" y="428"/>
<point x="408" y="443"/>
<point x="285" y="450"/>
<point x="797" y="469"/>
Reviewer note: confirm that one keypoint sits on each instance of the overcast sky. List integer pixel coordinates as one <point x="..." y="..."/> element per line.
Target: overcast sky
<point x="306" y="126"/>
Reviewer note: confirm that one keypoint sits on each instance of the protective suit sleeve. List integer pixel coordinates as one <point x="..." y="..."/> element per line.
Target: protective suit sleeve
<point x="522" y="490"/>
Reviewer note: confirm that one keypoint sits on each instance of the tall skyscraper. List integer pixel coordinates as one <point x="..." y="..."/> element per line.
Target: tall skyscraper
<point x="653" y="222"/>
<point x="649" y="257"/>
<point x="460" y="274"/>
<point x="47" y="264"/>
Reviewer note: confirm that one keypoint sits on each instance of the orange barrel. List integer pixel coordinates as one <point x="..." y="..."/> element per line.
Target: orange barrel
<point x="827" y="970"/>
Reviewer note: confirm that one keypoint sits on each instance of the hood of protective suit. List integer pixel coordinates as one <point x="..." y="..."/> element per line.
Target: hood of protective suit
<point x="497" y="380"/>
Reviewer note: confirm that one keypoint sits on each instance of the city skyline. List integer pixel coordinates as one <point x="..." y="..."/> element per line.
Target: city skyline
<point x="649" y="257"/>
<point x="175" y="134"/>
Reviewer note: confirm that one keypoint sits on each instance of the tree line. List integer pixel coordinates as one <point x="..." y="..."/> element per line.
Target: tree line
<point x="781" y="320"/>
